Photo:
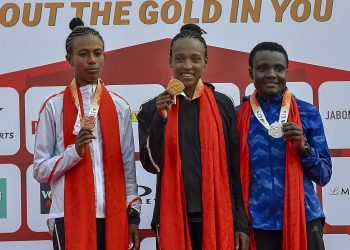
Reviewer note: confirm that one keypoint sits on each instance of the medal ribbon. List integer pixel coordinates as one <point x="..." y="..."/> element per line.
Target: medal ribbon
<point x="78" y="100"/>
<point x="259" y="114"/>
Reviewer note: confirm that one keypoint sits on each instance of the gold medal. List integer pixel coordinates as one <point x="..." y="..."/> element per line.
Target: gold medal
<point x="87" y="122"/>
<point x="175" y="87"/>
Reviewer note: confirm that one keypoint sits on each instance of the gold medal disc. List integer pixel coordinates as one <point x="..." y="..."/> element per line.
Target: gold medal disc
<point x="175" y="87"/>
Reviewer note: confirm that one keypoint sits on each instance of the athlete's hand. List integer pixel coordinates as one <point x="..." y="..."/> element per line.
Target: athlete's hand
<point x="164" y="102"/>
<point x="134" y="237"/>
<point x="293" y="133"/>
<point x="241" y="241"/>
<point x="84" y="137"/>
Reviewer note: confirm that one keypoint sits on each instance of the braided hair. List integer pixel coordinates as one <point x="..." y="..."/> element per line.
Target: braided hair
<point x="78" y="29"/>
<point x="190" y="31"/>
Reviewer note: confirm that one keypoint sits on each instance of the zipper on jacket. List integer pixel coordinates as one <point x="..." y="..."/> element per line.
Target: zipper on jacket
<point x="270" y="157"/>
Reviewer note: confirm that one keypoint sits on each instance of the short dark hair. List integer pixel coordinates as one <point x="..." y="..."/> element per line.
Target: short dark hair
<point x="78" y="29"/>
<point x="271" y="46"/>
<point x="190" y="31"/>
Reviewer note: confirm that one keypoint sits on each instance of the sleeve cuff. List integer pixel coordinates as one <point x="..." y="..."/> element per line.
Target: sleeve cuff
<point x="311" y="156"/>
<point x="134" y="202"/>
<point x="75" y="154"/>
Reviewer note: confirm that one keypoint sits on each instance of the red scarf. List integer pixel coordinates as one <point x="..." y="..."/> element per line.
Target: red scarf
<point x="79" y="198"/>
<point x="216" y="199"/>
<point x="294" y="222"/>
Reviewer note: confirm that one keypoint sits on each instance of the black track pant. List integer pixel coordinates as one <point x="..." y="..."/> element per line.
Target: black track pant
<point x="272" y="240"/>
<point x="58" y="234"/>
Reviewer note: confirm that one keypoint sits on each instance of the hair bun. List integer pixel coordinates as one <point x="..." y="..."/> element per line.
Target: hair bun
<point x="75" y="22"/>
<point x="192" y="28"/>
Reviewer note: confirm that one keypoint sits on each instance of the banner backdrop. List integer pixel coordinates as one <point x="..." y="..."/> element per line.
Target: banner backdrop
<point x="137" y="35"/>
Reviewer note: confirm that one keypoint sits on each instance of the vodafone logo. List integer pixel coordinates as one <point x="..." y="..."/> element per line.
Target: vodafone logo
<point x="45" y="198"/>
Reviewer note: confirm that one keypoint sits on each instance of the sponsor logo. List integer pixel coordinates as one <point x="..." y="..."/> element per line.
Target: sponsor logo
<point x="34" y="126"/>
<point x="3" y="198"/>
<point x="340" y="191"/>
<point x="134" y="116"/>
<point x="143" y="192"/>
<point x="6" y="135"/>
<point x="45" y="198"/>
<point x="338" y="115"/>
